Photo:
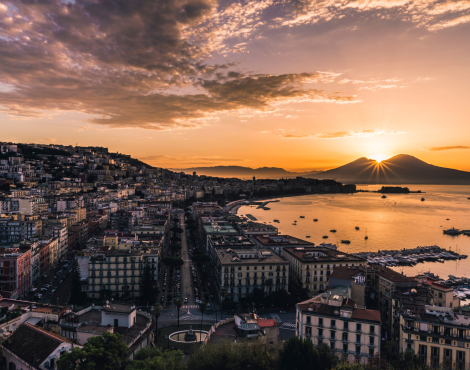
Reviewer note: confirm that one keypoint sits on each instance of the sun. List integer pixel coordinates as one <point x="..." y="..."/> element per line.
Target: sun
<point x="379" y="157"/>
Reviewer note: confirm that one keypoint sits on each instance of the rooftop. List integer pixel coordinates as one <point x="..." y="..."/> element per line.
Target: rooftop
<point x="120" y="308"/>
<point x="268" y="240"/>
<point x="312" y="254"/>
<point x="215" y="228"/>
<point x="248" y="256"/>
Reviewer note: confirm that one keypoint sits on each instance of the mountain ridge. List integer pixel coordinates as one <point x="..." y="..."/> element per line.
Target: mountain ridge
<point x="399" y="169"/>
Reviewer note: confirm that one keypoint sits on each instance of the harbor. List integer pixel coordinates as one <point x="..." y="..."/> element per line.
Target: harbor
<point x="410" y="257"/>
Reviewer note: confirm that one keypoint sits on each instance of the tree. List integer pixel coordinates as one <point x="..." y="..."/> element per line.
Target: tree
<point x="107" y="352"/>
<point x="408" y="360"/>
<point x="153" y="359"/>
<point x="77" y="296"/>
<point x="226" y="356"/>
<point x="172" y="261"/>
<point x="176" y="230"/>
<point x="148" y="294"/>
<point x="200" y="259"/>
<point x="157" y="310"/>
<point x="328" y="360"/>
<point x="178" y="303"/>
<point x="223" y="293"/>
<point x="202" y="308"/>
<point x="298" y="354"/>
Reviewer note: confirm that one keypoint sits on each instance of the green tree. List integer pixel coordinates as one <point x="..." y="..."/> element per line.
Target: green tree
<point x="157" y="310"/>
<point x="226" y="356"/>
<point x="178" y="303"/>
<point x="328" y="360"/>
<point x="223" y="293"/>
<point x="107" y="352"/>
<point x="148" y="293"/>
<point x="200" y="259"/>
<point x="408" y="360"/>
<point x="202" y="308"/>
<point x="154" y="359"/>
<point x="347" y="366"/>
<point x="298" y="354"/>
<point x="172" y="261"/>
<point x="77" y="296"/>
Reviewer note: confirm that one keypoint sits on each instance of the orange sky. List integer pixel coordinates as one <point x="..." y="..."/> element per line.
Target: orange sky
<point x="257" y="83"/>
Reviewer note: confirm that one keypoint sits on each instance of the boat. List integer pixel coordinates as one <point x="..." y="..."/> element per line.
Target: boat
<point x="452" y="231"/>
<point x="308" y="236"/>
<point x="447" y="219"/>
<point x="346" y="241"/>
<point x="302" y="216"/>
<point x="333" y="231"/>
<point x="294" y="224"/>
<point x="315" y="220"/>
<point x="276" y="220"/>
<point x="366" y="237"/>
<point x="325" y="236"/>
<point x="357" y="227"/>
<point x="422" y="199"/>
<point x="384" y="196"/>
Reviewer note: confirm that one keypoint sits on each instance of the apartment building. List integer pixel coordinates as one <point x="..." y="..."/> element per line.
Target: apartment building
<point x="58" y="231"/>
<point x="334" y="319"/>
<point x="117" y="271"/>
<point x="310" y="267"/>
<point x="436" y="334"/>
<point x="225" y="242"/>
<point x="13" y="231"/>
<point x="240" y="271"/>
<point x="278" y="242"/>
<point x="15" y="270"/>
<point x="383" y="282"/>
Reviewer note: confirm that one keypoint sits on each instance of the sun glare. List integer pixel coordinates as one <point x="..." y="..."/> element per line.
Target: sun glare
<point x="379" y="157"/>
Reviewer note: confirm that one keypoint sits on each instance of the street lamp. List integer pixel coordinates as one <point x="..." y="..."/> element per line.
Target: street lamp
<point x="168" y="338"/>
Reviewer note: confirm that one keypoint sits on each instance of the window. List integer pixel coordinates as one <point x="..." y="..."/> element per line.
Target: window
<point x="358" y="350"/>
<point x="371" y="341"/>
<point x="372" y="329"/>
<point x="358" y="338"/>
<point x="358" y="327"/>
<point x="239" y="268"/>
<point x="320" y="321"/>
<point x="371" y="352"/>
<point x="308" y="330"/>
<point x="345" y="347"/>
<point x="345" y="337"/>
<point x="332" y="346"/>
<point x="333" y="323"/>
<point x="332" y="335"/>
<point x="320" y="333"/>
<point x="309" y="320"/>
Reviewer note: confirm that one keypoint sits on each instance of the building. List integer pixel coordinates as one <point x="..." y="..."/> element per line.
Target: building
<point x="136" y="327"/>
<point x="435" y="334"/>
<point x="383" y="282"/>
<point x="310" y="267"/>
<point x="253" y="328"/>
<point x="240" y="271"/>
<point x="15" y="272"/>
<point x="118" y="272"/>
<point x="334" y="319"/>
<point x="278" y="242"/>
<point x="32" y="347"/>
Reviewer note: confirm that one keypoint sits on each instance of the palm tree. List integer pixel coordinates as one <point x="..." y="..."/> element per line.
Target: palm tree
<point x="202" y="308"/>
<point x="157" y="309"/>
<point x="223" y="293"/>
<point x="178" y="303"/>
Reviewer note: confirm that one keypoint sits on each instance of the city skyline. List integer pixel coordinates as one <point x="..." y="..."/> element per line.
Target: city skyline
<point x="304" y="85"/>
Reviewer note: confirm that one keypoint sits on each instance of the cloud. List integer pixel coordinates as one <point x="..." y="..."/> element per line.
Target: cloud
<point x="431" y="14"/>
<point x="155" y="159"/>
<point x="138" y="64"/>
<point x="50" y="140"/>
<point x="341" y="134"/>
<point x="442" y="148"/>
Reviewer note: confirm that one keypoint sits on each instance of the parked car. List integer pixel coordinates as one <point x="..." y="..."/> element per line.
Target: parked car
<point x="186" y="300"/>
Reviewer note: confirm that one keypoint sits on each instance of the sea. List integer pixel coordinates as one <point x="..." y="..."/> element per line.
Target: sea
<point x="397" y="222"/>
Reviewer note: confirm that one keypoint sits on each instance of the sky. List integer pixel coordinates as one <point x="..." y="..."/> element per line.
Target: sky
<point x="298" y="84"/>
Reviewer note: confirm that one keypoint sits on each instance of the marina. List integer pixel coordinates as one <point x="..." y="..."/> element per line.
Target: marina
<point x="410" y="257"/>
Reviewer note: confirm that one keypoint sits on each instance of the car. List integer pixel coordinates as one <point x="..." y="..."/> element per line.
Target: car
<point x="54" y="290"/>
<point x="47" y="286"/>
<point x="60" y="282"/>
<point x="198" y="301"/>
<point x="55" y="277"/>
<point x="282" y="311"/>
<point x="38" y="295"/>
<point x="43" y="290"/>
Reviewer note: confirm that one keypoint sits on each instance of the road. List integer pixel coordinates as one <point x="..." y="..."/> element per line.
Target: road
<point x="187" y="290"/>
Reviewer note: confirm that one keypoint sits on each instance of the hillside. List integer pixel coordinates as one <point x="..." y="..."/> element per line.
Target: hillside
<point x="244" y="172"/>
<point x="400" y="169"/>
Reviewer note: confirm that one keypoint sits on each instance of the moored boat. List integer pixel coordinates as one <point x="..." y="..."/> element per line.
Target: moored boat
<point x="346" y="241"/>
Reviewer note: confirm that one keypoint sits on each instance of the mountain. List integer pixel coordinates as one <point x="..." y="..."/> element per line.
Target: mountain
<point x="245" y="172"/>
<point x="400" y="169"/>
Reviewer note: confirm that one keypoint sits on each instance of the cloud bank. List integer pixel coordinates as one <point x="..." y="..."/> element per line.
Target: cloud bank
<point x="341" y="134"/>
<point x="443" y="148"/>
